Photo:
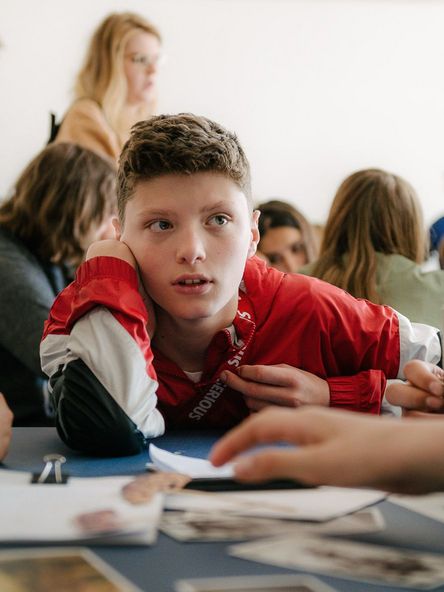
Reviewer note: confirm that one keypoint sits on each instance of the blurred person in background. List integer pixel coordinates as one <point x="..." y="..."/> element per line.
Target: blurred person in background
<point x="287" y="239"/>
<point x="63" y="201"/>
<point x="117" y="85"/>
<point x="374" y="244"/>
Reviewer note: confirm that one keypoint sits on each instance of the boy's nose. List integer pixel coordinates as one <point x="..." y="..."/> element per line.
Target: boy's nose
<point x="191" y="249"/>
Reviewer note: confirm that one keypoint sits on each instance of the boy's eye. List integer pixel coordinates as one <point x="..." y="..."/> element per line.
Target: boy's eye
<point x="159" y="225"/>
<point x="218" y="220"/>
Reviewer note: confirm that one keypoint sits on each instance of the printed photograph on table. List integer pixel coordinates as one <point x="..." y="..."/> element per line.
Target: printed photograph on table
<point x="266" y="583"/>
<point x="200" y="526"/>
<point x="70" y="570"/>
<point x="347" y="559"/>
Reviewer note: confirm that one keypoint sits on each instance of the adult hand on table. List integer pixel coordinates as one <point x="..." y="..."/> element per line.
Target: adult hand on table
<point x="338" y="448"/>
<point x="6" y="418"/>
<point x="280" y="384"/>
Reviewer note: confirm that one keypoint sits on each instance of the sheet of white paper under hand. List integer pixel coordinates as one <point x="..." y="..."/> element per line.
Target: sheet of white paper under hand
<point x="196" y="468"/>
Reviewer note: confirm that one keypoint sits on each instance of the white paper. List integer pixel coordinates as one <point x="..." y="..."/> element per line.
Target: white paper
<point x="39" y="512"/>
<point x="14" y="477"/>
<point x="430" y="505"/>
<point x="196" y="468"/>
<point x="317" y="504"/>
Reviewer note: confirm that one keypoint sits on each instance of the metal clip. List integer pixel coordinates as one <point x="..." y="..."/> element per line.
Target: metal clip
<point x="52" y="461"/>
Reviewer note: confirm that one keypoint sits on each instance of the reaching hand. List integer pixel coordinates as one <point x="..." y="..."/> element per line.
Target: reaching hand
<point x="338" y="448"/>
<point x="281" y="385"/>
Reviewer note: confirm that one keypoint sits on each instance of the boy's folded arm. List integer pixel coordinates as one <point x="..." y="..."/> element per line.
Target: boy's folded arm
<point x="97" y="353"/>
<point x="367" y="336"/>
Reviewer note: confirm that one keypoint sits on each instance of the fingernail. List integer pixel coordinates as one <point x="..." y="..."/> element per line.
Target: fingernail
<point x="244" y="467"/>
<point x="223" y="376"/>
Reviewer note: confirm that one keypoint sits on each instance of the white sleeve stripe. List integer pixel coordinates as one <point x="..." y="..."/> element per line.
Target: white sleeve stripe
<point x="54" y="353"/>
<point x="115" y="359"/>
<point x="417" y="341"/>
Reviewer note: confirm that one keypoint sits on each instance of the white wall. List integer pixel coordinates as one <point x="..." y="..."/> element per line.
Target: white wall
<point x="315" y="89"/>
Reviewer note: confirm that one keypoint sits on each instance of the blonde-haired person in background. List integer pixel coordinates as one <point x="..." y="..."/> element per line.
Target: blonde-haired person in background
<point x="287" y="239"/>
<point x="63" y="200"/>
<point x="374" y="243"/>
<point x="117" y="85"/>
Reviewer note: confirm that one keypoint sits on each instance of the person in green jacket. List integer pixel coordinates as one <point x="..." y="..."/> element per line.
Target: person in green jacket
<point x="374" y="243"/>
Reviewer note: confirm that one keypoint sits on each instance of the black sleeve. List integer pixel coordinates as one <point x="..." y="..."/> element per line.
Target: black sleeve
<point x="87" y="417"/>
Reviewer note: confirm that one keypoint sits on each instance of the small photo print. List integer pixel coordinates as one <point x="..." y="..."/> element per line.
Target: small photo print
<point x="67" y="570"/>
<point x="347" y="559"/>
<point x="272" y="583"/>
<point x="205" y="526"/>
<point x="195" y="526"/>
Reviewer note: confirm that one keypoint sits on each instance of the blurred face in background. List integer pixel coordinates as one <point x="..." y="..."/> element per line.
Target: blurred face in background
<point x="283" y="248"/>
<point x="141" y="63"/>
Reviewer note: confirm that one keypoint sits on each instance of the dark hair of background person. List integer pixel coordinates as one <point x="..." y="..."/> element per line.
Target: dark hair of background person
<point x="373" y="211"/>
<point x="276" y="214"/>
<point x="62" y="193"/>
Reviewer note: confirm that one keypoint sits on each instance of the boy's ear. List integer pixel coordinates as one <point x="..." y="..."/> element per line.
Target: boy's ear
<point x="117" y="228"/>
<point x="254" y="233"/>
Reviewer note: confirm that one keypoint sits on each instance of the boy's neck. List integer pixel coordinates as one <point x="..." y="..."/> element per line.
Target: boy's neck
<point x="186" y="342"/>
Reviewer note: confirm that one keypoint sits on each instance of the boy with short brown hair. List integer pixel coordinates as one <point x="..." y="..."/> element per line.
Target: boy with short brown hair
<point x="177" y="322"/>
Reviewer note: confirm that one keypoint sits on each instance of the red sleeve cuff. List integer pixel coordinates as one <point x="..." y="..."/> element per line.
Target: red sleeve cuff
<point x="101" y="281"/>
<point x="362" y="392"/>
<point x="106" y="267"/>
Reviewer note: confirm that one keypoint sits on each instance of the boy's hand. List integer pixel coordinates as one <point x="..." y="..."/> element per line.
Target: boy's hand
<point x="111" y="248"/>
<point x="424" y="390"/>
<point x="120" y="250"/>
<point x="281" y="385"/>
<point x="6" y="418"/>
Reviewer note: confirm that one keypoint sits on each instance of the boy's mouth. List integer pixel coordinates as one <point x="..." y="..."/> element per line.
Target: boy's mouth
<point x="191" y="281"/>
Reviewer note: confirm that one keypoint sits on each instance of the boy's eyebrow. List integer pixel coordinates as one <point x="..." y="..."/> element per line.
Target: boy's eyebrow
<point x="214" y="206"/>
<point x="148" y="212"/>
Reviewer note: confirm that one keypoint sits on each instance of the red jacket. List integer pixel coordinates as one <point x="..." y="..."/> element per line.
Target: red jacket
<point x="111" y="390"/>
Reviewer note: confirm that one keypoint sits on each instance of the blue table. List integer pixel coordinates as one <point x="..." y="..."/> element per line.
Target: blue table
<point x="29" y="445"/>
<point x="155" y="568"/>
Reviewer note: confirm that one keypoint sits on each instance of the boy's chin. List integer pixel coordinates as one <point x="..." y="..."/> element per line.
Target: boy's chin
<point x="198" y="315"/>
<point x="201" y="314"/>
